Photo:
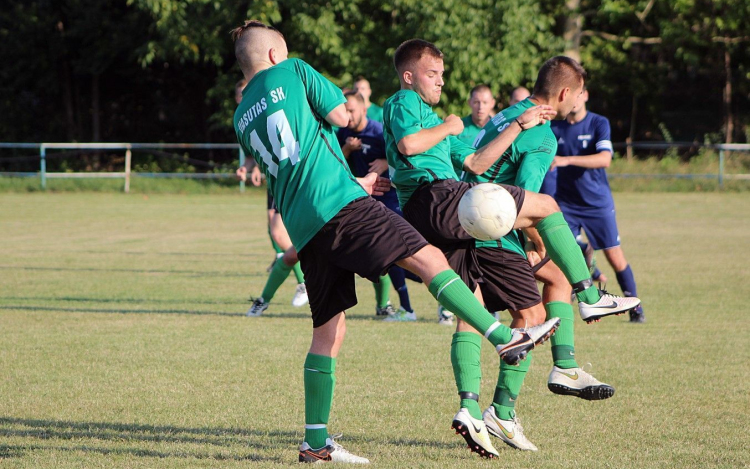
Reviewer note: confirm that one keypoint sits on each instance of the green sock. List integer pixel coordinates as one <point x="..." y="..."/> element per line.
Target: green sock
<point x="564" y="251"/>
<point x="319" y="383"/>
<point x="382" y="291"/>
<point x="563" y="342"/>
<point x="509" y="383"/>
<point x="297" y="269"/>
<point x="456" y="297"/>
<point x="278" y="274"/>
<point x="466" y="349"/>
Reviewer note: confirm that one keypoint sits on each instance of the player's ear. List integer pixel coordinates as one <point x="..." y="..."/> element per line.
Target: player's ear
<point x="408" y="77"/>
<point x="273" y="55"/>
<point x="563" y="94"/>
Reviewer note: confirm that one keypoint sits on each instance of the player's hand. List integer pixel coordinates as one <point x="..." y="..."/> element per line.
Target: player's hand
<point x="559" y="162"/>
<point x="534" y="254"/>
<point x="379" y="166"/>
<point x="255" y="176"/>
<point x="374" y="184"/>
<point x="455" y="124"/>
<point x="354" y="143"/>
<point x="241" y="173"/>
<point x="536" y="115"/>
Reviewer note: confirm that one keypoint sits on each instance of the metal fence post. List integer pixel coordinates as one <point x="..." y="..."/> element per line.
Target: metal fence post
<point x="721" y="168"/>
<point x="43" y="166"/>
<point x="128" y="158"/>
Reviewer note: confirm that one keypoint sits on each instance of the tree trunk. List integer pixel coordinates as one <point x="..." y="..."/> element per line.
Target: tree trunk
<point x="95" y="109"/>
<point x="68" y="101"/>
<point x="728" y="116"/>
<point x="572" y="29"/>
<point x="633" y="119"/>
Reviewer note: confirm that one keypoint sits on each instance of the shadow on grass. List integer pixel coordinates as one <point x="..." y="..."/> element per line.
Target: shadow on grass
<point x="40" y="429"/>
<point x="188" y="273"/>
<point x="79" y="299"/>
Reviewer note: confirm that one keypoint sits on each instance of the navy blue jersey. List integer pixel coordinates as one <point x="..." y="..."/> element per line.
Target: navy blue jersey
<point x="580" y="187"/>
<point x="373" y="147"/>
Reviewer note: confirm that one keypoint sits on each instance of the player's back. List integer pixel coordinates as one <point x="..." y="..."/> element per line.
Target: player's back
<point x="280" y="122"/>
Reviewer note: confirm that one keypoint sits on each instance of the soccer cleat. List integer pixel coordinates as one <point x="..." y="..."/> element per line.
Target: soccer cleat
<point x="475" y="433"/>
<point x="525" y="339"/>
<point x="401" y="315"/>
<point x="387" y="310"/>
<point x="637" y="315"/>
<point x="510" y="431"/>
<point x="576" y="382"/>
<point x="300" y="296"/>
<point x="259" y="305"/>
<point x="607" y="305"/>
<point x="445" y="317"/>
<point x="331" y="452"/>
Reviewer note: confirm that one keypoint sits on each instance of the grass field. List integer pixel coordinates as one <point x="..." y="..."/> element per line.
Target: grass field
<point x="123" y="344"/>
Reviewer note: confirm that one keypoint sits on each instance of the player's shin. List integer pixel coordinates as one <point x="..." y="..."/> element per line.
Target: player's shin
<point x="450" y="291"/>
<point x="319" y="383"/>
<point x="466" y="349"/>
<point x="563" y="343"/>
<point x="279" y="273"/>
<point x="564" y="251"/>
<point x="509" y="382"/>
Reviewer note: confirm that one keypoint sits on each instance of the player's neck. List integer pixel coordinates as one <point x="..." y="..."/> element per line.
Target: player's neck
<point x="252" y="71"/>
<point x="480" y="123"/>
<point x="575" y="117"/>
<point x="362" y="125"/>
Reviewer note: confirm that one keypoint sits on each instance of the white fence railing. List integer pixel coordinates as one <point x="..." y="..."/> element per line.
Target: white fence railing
<point x="127" y="174"/>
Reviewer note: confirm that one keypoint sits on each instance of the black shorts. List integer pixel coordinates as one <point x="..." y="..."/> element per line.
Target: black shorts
<point x="364" y="238"/>
<point x="507" y="280"/>
<point x="433" y="211"/>
<point x="270" y="203"/>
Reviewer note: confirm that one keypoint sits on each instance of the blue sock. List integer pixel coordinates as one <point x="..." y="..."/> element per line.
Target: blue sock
<point x="412" y="277"/>
<point x="398" y="279"/>
<point x="627" y="282"/>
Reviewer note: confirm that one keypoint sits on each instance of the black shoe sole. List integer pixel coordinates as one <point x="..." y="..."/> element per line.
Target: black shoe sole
<point x="590" y="393"/>
<point x="591" y="319"/>
<point x="514" y="357"/>
<point x="473" y="446"/>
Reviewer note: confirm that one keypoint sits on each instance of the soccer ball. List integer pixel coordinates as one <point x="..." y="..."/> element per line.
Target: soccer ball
<point x="487" y="211"/>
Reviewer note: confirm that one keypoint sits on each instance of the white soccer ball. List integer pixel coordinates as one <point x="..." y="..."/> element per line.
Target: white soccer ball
<point x="487" y="211"/>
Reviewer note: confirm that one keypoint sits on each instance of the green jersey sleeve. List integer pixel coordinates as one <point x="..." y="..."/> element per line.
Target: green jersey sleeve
<point x="322" y="95"/>
<point x="405" y="117"/>
<point x="537" y="149"/>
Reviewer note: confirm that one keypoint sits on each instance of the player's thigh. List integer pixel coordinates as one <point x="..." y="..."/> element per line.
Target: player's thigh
<point x="601" y="229"/>
<point x="279" y="233"/>
<point x="507" y="280"/>
<point x="535" y="207"/>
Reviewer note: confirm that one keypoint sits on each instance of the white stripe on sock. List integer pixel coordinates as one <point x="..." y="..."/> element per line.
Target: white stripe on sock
<point x="492" y="328"/>
<point x="437" y="296"/>
<point x="315" y="426"/>
<point x="310" y="369"/>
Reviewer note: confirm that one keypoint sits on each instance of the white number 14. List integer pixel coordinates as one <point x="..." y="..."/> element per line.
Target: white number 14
<point x="277" y="126"/>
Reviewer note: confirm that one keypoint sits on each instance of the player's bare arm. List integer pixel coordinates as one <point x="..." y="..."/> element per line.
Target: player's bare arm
<point x="338" y="117"/>
<point x="534" y="248"/>
<point x="351" y="144"/>
<point x="373" y="184"/>
<point x="425" y="139"/>
<point x="595" y="161"/>
<point x="483" y="158"/>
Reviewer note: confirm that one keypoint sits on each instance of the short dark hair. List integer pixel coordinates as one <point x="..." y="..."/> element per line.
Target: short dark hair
<point x="480" y="87"/>
<point x="355" y="94"/>
<point x="238" y="31"/>
<point x="557" y="73"/>
<point x="412" y="50"/>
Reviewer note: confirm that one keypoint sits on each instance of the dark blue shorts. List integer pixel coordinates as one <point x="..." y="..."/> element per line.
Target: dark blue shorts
<point x="600" y="226"/>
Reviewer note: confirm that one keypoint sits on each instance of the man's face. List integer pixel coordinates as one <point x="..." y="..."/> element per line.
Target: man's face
<point x="481" y="103"/>
<point x="427" y="79"/>
<point x="363" y="87"/>
<point x="577" y="101"/>
<point x="356" y="110"/>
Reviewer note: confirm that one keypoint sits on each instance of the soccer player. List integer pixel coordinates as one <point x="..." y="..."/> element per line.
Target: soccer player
<point x="363" y="145"/>
<point x="285" y="122"/>
<point x="509" y="280"/>
<point x="482" y="105"/>
<point x="423" y="150"/>
<point x="583" y="193"/>
<point x="362" y="86"/>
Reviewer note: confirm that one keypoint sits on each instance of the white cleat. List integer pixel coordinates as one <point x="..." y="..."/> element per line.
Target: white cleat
<point x="576" y="382"/>
<point x="475" y="433"/>
<point x="445" y="317"/>
<point x="331" y="452"/>
<point x="259" y="305"/>
<point x="525" y="339"/>
<point x="300" y="296"/>
<point x="510" y="431"/>
<point x="401" y="315"/>
<point x="607" y="305"/>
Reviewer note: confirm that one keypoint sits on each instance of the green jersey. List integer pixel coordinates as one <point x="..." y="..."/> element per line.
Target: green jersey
<point x="470" y="130"/>
<point x="404" y="114"/>
<point x="375" y="113"/>
<point x="281" y="123"/>
<point x="524" y="163"/>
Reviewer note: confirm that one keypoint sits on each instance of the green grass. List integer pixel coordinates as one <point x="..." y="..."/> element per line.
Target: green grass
<point x="123" y="345"/>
